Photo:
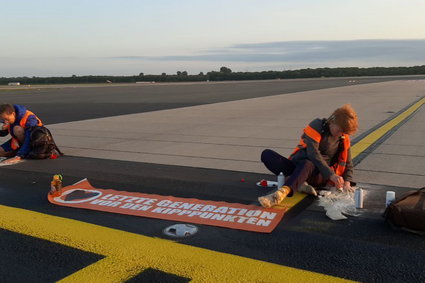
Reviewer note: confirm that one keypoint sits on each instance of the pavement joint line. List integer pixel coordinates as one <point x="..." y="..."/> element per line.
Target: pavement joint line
<point x="397" y="154"/>
<point x="127" y="254"/>
<point x="390" y="172"/>
<point x="164" y="154"/>
<point x="173" y="134"/>
<point x="419" y="145"/>
<point x="190" y="142"/>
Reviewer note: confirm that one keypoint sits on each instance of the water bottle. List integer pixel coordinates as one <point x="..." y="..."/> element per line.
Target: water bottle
<point x="280" y="180"/>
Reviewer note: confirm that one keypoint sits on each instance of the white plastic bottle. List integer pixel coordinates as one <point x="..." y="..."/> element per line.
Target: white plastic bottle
<point x="280" y="180"/>
<point x="358" y="198"/>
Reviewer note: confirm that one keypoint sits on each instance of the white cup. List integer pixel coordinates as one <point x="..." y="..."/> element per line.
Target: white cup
<point x="389" y="198"/>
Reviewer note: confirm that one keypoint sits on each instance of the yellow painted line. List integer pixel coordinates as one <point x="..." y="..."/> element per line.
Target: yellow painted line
<point x="289" y="203"/>
<point x="367" y="141"/>
<point x="128" y="254"/>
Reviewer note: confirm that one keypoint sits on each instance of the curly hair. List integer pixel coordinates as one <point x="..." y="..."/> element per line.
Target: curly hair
<point x="6" y="108"/>
<point x="346" y="118"/>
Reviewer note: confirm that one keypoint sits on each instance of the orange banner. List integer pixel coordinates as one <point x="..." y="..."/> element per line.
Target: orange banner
<point x="223" y="214"/>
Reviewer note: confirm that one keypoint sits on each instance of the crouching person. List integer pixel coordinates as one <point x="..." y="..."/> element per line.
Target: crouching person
<point x="322" y="157"/>
<point x="20" y="124"/>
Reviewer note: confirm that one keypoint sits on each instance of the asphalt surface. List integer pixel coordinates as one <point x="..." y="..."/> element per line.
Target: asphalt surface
<point x="362" y="249"/>
<point x="58" y="105"/>
<point x="28" y="259"/>
<point x="305" y="238"/>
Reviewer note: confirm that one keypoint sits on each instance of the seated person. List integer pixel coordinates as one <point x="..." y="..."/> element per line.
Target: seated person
<point x="18" y="122"/>
<point x="323" y="156"/>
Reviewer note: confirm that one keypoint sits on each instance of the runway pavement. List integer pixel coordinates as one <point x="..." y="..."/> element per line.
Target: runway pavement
<point x="65" y="103"/>
<point x="202" y="147"/>
<point x="232" y="135"/>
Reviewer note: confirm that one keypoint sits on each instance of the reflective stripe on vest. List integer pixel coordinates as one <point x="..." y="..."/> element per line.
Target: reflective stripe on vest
<point x="24" y="119"/>
<point x="14" y="143"/>
<point x="310" y="132"/>
<point x="338" y="167"/>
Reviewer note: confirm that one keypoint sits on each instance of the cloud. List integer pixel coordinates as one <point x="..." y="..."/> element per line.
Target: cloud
<point x="308" y="52"/>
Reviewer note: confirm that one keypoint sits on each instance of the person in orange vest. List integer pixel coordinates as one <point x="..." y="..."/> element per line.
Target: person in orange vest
<point x="18" y="122"/>
<point x="322" y="157"/>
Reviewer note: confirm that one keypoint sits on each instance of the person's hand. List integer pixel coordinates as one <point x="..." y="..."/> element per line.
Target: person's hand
<point x="12" y="160"/>
<point x="347" y="187"/>
<point x="338" y="181"/>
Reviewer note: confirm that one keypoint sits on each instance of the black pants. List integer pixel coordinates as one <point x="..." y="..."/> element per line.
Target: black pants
<point x="299" y="172"/>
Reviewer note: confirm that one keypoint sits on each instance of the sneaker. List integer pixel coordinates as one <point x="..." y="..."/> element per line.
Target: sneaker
<point x="307" y="189"/>
<point x="274" y="198"/>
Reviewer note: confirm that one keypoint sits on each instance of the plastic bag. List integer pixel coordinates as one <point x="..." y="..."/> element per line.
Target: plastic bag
<point x="338" y="204"/>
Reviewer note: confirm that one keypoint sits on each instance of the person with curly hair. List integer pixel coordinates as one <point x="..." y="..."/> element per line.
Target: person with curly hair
<point x="322" y="157"/>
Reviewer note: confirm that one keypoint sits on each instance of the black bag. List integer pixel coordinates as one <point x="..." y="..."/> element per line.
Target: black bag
<point x="408" y="212"/>
<point x="42" y="144"/>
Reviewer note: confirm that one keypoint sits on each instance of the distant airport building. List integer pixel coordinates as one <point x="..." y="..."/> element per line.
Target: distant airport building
<point x="14" y="83"/>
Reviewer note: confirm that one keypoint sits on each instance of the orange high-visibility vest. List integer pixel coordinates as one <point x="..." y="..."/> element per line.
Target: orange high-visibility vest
<point x="14" y="143"/>
<point x="338" y="167"/>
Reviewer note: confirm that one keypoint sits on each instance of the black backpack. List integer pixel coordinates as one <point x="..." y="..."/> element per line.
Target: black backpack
<point x="42" y="144"/>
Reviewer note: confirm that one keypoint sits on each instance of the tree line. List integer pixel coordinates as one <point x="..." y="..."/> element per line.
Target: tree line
<point x="224" y="74"/>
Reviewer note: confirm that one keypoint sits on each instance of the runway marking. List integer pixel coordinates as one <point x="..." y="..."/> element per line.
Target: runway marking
<point x="290" y="202"/>
<point x="128" y="254"/>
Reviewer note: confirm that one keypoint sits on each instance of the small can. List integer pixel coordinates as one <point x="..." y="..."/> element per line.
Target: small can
<point x="358" y="198"/>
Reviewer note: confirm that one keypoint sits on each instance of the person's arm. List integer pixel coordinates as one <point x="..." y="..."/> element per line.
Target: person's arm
<point x="348" y="173"/>
<point x="25" y="147"/>
<point x="314" y="155"/>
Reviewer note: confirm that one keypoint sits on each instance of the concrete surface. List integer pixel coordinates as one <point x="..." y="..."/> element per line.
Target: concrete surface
<point x="400" y="160"/>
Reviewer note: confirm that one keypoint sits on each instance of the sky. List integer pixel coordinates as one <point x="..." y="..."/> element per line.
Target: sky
<point x="128" y="37"/>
